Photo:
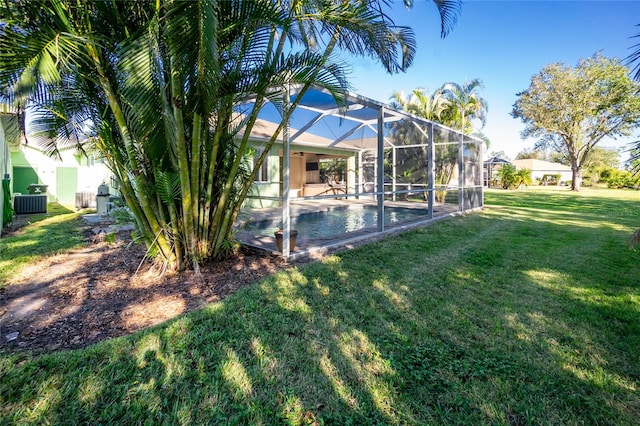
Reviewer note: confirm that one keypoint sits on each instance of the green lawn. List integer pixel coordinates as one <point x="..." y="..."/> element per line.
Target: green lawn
<point x="46" y="234"/>
<point x="525" y="313"/>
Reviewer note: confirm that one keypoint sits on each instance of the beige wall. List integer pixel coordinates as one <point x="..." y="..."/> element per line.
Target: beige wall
<point x="297" y="172"/>
<point x="299" y="176"/>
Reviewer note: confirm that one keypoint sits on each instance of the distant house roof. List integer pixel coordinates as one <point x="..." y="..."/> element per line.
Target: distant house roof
<point x="540" y="165"/>
<point x="496" y="160"/>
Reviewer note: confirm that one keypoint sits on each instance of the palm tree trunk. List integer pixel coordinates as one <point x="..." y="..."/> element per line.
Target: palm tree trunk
<point x="147" y="210"/>
<point x="184" y="168"/>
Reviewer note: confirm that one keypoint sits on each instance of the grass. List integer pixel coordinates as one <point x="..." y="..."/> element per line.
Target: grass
<point x="525" y="313"/>
<point x="45" y="234"/>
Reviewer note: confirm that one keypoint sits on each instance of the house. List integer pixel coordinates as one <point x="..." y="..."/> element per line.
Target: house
<point x="540" y="168"/>
<point x="490" y="169"/>
<point x="25" y="163"/>
<point x="308" y="156"/>
<point x="71" y="175"/>
<point x="9" y="138"/>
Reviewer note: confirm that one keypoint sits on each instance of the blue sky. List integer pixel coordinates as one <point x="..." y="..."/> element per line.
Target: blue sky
<point x="503" y="43"/>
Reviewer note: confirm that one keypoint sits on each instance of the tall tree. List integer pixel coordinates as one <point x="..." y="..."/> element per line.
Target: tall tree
<point x="573" y="109"/>
<point x="419" y="102"/>
<point x="464" y="104"/>
<point x="158" y="86"/>
<point x="528" y="153"/>
<point x="454" y="105"/>
<point x="603" y="157"/>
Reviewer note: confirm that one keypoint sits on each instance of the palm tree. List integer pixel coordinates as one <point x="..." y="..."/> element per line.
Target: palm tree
<point x="420" y="103"/>
<point x="464" y="104"/>
<point x="431" y="107"/>
<point x="454" y="105"/>
<point x="156" y="86"/>
<point x="634" y="57"/>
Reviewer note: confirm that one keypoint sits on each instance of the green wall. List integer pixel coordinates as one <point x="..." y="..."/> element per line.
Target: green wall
<point x="23" y="176"/>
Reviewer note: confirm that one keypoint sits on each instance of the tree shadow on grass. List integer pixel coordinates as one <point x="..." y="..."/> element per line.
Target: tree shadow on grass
<point x="22" y="220"/>
<point x="468" y="332"/>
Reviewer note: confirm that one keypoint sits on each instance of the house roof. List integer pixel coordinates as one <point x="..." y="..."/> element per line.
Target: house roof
<point x="10" y="126"/>
<point x="496" y="160"/>
<point x="540" y="165"/>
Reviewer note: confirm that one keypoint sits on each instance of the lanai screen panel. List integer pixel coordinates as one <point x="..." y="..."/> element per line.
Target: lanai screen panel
<point x="446" y="154"/>
<point x="407" y="159"/>
<point x="353" y="125"/>
<point x="472" y="173"/>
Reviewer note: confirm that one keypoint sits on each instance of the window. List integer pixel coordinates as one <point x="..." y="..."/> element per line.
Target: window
<point x="263" y="173"/>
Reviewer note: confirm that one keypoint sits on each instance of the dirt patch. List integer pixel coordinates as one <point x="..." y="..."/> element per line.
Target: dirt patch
<point x="93" y="293"/>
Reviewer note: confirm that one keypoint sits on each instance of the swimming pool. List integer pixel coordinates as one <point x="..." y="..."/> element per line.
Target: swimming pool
<point x="336" y="221"/>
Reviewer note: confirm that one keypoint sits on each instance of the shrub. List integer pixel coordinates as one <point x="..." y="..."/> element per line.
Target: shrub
<point x="550" y="179"/>
<point x="122" y="215"/>
<point x="618" y="179"/>
<point x="512" y="178"/>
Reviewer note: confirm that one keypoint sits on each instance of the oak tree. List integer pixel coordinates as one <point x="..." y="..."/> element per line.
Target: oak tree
<point x="572" y="109"/>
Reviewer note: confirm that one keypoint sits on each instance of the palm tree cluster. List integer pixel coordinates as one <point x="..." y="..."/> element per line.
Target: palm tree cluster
<point x="453" y="104"/>
<point x="156" y="86"/>
<point x="511" y="178"/>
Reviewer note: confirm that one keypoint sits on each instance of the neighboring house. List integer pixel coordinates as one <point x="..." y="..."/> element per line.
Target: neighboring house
<point x="490" y="170"/>
<point x="71" y="174"/>
<point x="25" y="164"/>
<point x="539" y="168"/>
<point x="9" y="138"/>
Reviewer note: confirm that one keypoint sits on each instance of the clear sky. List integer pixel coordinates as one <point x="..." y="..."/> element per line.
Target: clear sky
<point x="503" y="43"/>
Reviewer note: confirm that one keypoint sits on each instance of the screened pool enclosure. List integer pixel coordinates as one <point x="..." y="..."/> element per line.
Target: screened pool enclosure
<point x="342" y="166"/>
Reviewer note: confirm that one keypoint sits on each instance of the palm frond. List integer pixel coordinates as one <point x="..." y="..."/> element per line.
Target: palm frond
<point x="142" y="68"/>
<point x="168" y="186"/>
<point x="633" y="163"/>
<point x="449" y="13"/>
<point x="634" y="58"/>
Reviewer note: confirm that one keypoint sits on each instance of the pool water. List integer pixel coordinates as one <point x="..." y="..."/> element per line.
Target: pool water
<point x="337" y="221"/>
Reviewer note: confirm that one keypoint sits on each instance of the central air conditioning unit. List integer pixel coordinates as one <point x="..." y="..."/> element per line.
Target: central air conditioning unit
<point x="27" y="204"/>
<point x="85" y="200"/>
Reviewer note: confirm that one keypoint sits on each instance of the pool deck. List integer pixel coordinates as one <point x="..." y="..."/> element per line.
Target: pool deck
<point x="318" y="247"/>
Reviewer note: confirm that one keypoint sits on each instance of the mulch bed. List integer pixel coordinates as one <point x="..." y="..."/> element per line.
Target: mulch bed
<point x="93" y="293"/>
